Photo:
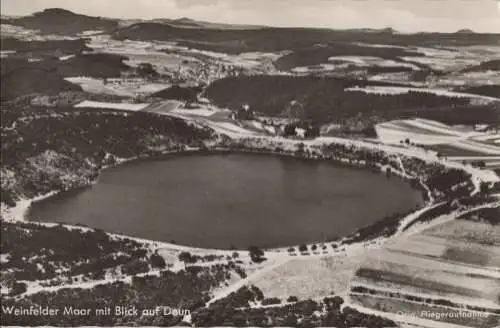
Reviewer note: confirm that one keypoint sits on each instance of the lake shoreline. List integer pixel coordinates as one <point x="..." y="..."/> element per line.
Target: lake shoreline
<point x="229" y="152"/>
<point x="22" y="206"/>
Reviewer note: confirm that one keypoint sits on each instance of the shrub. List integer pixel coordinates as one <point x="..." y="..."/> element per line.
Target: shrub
<point x="157" y="261"/>
<point x="256" y="254"/>
<point x="135" y="267"/>
<point x="187" y="257"/>
<point x="270" y="301"/>
<point x="18" y="288"/>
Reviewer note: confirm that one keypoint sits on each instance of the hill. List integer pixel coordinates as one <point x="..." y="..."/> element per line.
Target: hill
<point x="30" y="80"/>
<point x="44" y="48"/>
<point x="176" y="92"/>
<point x="325" y="100"/>
<point x="63" y="22"/>
<point x="271" y="39"/>
<point x="465" y="31"/>
<point x="185" y="22"/>
<point x="234" y="38"/>
<point x="20" y="77"/>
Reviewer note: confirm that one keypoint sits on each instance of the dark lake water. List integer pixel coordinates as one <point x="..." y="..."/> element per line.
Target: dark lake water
<point x="221" y="200"/>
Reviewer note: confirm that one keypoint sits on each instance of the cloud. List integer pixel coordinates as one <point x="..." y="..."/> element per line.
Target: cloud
<point x="403" y="15"/>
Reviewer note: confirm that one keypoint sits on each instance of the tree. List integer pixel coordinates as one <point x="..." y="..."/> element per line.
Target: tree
<point x="18" y="288"/>
<point x="312" y="132"/>
<point x="157" y="261"/>
<point x="300" y="149"/>
<point x="186" y="257"/>
<point x="334" y="302"/>
<point x="134" y="267"/>
<point x="303" y="248"/>
<point x="272" y="300"/>
<point x="146" y="69"/>
<point x="244" y="113"/>
<point x="484" y="187"/>
<point x="289" y="130"/>
<point x="256" y="254"/>
<point x="480" y="164"/>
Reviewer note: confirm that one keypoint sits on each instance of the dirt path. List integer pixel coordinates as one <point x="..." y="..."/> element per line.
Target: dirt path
<point x="278" y="261"/>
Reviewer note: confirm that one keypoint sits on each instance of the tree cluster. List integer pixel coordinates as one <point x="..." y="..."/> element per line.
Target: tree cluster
<point x="323" y="100"/>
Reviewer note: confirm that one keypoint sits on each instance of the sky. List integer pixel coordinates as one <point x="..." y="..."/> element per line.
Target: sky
<point x="402" y="15"/>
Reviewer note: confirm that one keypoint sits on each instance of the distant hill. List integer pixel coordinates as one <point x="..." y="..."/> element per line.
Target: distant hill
<point x="235" y="39"/>
<point x="465" y="31"/>
<point x="4" y="19"/>
<point x="185" y="22"/>
<point x="240" y="37"/>
<point x="188" y="23"/>
<point x="388" y="30"/>
<point x="225" y="40"/>
<point x="271" y="39"/>
<point x="63" y="22"/>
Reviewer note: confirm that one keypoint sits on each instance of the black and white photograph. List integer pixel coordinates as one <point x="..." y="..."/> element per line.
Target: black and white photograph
<point x="250" y="163"/>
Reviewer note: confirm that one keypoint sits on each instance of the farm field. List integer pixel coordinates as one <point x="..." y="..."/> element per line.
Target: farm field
<point x="436" y="277"/>
<point x="486" y="148"/>
<point x="313" y="278"/>
<point x="442" y="92"/>
<point x="458" y="144"/>
<point x="407" y="311"/>
<point x="109" y="105"/>
<point x="451" y="151"/>
<point x="119" y="87"/>
<point x="457" y="260"/>
<point x="420" y="131"/>
<point x="171" y="56"/>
